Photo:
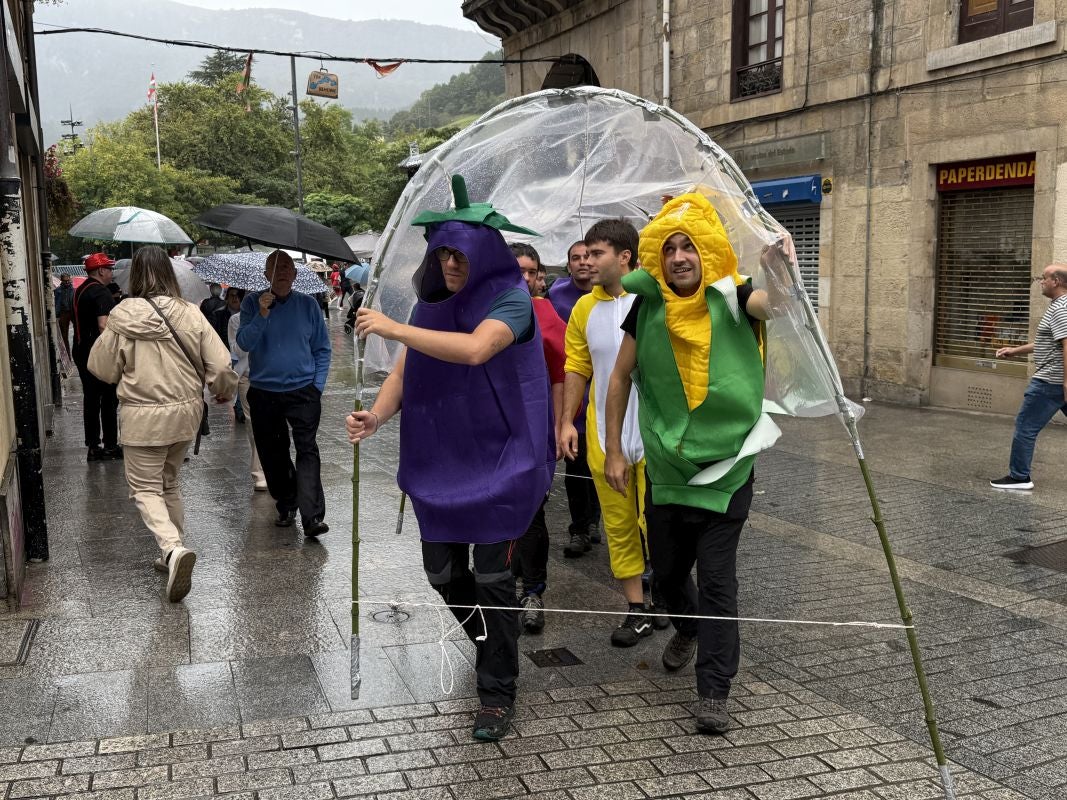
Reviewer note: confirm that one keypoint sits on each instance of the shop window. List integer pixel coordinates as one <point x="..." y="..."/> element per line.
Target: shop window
<point x="982" y="18"/>
<point x="758" y="27"/>
<point x="983" y="274"/>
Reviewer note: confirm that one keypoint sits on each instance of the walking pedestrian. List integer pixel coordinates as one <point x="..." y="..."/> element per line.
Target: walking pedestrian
<point x="213" y="303"/>
<point x="692" y="331"/>
<point x="582" y="501"/>
<point x="593" y="339"/>
<point x="476" y="447"/>
<point x="288" y="362"/>
<point x="530" y="565"/>
<point x="240" y="366"/>
<point x="64" y="302"/>
<point x="1047" y="392"/>
<point x="161" y="351"/>
<point x="92" y="305"/>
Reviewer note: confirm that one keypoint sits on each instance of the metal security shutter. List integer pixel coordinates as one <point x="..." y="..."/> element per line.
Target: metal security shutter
<point x="983" y="274"/>
<point x="802" y="222"/>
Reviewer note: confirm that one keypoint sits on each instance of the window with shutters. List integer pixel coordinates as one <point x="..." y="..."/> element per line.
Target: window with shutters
<point x="982" y="18"/>
<point x="983" y="274"/>
<point x="802" y="222"/>
<point x="758" y="27"/>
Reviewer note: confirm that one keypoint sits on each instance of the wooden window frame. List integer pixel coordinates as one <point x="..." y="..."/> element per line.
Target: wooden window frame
<point x="1008" y="16"/>
<point x="770" y="70"/>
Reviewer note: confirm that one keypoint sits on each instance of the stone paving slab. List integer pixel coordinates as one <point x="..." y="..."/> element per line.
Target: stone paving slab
<point x="383" y="753"/>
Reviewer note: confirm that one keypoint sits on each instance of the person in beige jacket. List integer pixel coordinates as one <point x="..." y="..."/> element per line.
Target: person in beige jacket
<point x="160" y="392"/>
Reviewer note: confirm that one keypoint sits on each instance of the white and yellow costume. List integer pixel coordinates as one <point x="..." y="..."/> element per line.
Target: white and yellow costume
<point x="593" y="339"/>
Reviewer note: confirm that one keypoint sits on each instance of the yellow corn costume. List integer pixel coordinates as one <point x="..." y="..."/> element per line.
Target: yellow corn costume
<point x="593" y="339"/>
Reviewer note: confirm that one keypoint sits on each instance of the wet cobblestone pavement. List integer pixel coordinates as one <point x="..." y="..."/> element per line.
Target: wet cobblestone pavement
<point x="242" y="690"/>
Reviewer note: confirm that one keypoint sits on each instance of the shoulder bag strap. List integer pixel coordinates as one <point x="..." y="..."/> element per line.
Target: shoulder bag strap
<point x="177" y="339"/>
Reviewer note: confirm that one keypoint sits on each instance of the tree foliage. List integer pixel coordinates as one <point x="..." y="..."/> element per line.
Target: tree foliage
<point x="218" y="67"/>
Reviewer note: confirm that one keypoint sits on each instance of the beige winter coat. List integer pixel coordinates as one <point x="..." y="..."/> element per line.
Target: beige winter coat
<point x="160" y="394"/>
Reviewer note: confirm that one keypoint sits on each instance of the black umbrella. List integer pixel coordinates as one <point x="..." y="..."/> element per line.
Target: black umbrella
<point x="278" y="227"/>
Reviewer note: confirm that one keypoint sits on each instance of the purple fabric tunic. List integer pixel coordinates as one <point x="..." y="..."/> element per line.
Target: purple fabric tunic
<point x="563" y="295"/>
<point x="477" y="452"/>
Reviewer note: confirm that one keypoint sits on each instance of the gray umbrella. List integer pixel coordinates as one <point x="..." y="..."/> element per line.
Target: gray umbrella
<point x="129" y="224"/>
<point x="363" y="244"/>
<point x="193" y="288"/>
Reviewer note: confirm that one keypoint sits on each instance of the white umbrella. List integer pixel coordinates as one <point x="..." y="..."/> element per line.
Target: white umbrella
<point x="244" y="269"/>
<point x="363" y="244"/>
<point x="193" y="288"/>
<point x="129" y="224"/>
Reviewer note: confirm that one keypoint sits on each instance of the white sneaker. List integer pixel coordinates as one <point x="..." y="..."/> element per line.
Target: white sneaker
<point x="160" y="565"/>
<point x="261" y="486"/>
<point x="180" y="562"/>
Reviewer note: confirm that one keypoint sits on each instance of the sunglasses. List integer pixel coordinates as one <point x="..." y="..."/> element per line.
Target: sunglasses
<point x="445" y="253"/>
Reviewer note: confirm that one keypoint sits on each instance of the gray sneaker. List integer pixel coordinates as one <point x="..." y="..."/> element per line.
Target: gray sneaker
<point x="533" y="613"/>
<point x="712" y="716"/>
<point x="578" y="546"/>
<point x="678" y="652"/>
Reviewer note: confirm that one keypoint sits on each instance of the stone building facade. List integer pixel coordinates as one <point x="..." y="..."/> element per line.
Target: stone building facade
<point x="914" y="147"/>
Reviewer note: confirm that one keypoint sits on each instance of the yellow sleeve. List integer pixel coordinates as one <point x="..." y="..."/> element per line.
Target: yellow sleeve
<point x="578" y="358"/>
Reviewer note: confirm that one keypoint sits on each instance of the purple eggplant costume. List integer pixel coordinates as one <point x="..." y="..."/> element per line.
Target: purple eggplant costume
<point x="477" y="452"/>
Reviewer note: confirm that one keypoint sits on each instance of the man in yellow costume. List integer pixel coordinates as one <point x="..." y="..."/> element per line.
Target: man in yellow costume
<point x="693" y="337"/>
<point x="594" y="334"/>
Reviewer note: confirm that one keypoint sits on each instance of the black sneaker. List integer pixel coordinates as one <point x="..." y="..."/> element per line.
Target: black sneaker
<point x="578" y="545"/>
<point x="1008" y="482"/>
<point x="533" y="613"/>
<point x="96" y="453"/>
<point x="712" y="716"/>
<point x="594" y="533"/>
<point x="635" y="626"/>
<point x="285" y="519"/>
<point x="112" y="453"/>
<point x="658" y="608"/>
<point x="678" y="652"/>
<point x="316" y="528"/>
<point x="492" y="723"/>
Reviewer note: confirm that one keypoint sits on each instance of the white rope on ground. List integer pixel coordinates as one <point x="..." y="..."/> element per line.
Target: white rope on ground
<point x="396" y="603"/>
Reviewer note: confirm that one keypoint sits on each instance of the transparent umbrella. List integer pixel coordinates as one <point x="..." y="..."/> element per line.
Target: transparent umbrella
<point x="129" y="224"/>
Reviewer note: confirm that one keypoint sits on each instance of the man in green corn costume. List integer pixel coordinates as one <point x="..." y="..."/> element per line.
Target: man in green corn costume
<point x="694" y="349"/>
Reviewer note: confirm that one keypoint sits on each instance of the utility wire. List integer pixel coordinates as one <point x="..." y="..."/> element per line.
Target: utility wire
<point x="313" y="55"/>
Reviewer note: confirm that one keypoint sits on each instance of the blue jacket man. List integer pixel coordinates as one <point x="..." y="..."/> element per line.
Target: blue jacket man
<point x="289" y="359"/>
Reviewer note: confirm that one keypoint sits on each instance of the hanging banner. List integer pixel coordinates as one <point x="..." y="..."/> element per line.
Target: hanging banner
<point x="322" y="84"/>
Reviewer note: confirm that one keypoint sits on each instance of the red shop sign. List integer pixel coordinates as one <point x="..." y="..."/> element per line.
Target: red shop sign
<point x="987" y="173"/>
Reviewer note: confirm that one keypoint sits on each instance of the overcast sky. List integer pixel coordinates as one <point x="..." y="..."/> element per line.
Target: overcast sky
<point x="432" y="12"/>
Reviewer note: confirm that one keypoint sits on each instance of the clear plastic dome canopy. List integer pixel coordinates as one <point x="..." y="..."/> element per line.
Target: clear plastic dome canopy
<point x="558" y="160"/>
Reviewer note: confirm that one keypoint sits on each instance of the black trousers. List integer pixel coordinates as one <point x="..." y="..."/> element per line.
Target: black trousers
<point x="678" y="536"/>
<point x="531" y="553"/>
<point x="491" y="583"/>
<point x="582" y="501"/>
<point x="101" y="408"/>
<point x="292" y="486"/>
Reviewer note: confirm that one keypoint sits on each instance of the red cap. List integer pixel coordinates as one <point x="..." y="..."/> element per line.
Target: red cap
<point x="97" y="260"/>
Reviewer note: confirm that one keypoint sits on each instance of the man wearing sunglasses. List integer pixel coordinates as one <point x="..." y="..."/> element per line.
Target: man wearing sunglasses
<point x="477" y="449"/>
<point x="1047" y="392"/>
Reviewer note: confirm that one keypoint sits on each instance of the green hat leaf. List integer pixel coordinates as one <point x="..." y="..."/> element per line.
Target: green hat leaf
<point x="472" y="213"/>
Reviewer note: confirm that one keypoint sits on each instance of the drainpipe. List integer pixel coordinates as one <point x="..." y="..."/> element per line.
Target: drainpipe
<point x="666" y="52"/>
<point x="877" y="8"/>
<point x="42" y="220"/>
<point x="19" y="337"/>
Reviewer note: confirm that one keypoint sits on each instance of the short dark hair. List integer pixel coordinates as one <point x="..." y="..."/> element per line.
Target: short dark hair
<point x="573" y="245"/>
<point x="519" y="249"/>
<point x="1060" y="274"/>
<point x="619" y="233"/>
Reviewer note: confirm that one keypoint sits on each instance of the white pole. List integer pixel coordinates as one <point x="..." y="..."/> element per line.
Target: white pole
<point x="666" y="52"/>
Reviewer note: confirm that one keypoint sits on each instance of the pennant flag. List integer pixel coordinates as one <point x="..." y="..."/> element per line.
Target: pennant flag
<point x="246" y="81"/>
<point x="152" y="88"/>
<point x="383" y="69"/>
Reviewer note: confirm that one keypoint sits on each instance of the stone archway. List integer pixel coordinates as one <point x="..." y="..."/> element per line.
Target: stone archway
<point x="570" y="70"/>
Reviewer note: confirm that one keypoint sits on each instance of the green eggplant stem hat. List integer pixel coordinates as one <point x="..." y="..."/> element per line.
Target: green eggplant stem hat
<point x="466" y="211"/>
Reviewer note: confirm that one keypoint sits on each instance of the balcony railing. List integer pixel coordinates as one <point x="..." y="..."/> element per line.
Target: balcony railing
<point x="756" y="79"/>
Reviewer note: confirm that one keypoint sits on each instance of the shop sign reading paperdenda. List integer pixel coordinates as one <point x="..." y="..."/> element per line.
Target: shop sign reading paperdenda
<point x="987" y="173"/>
